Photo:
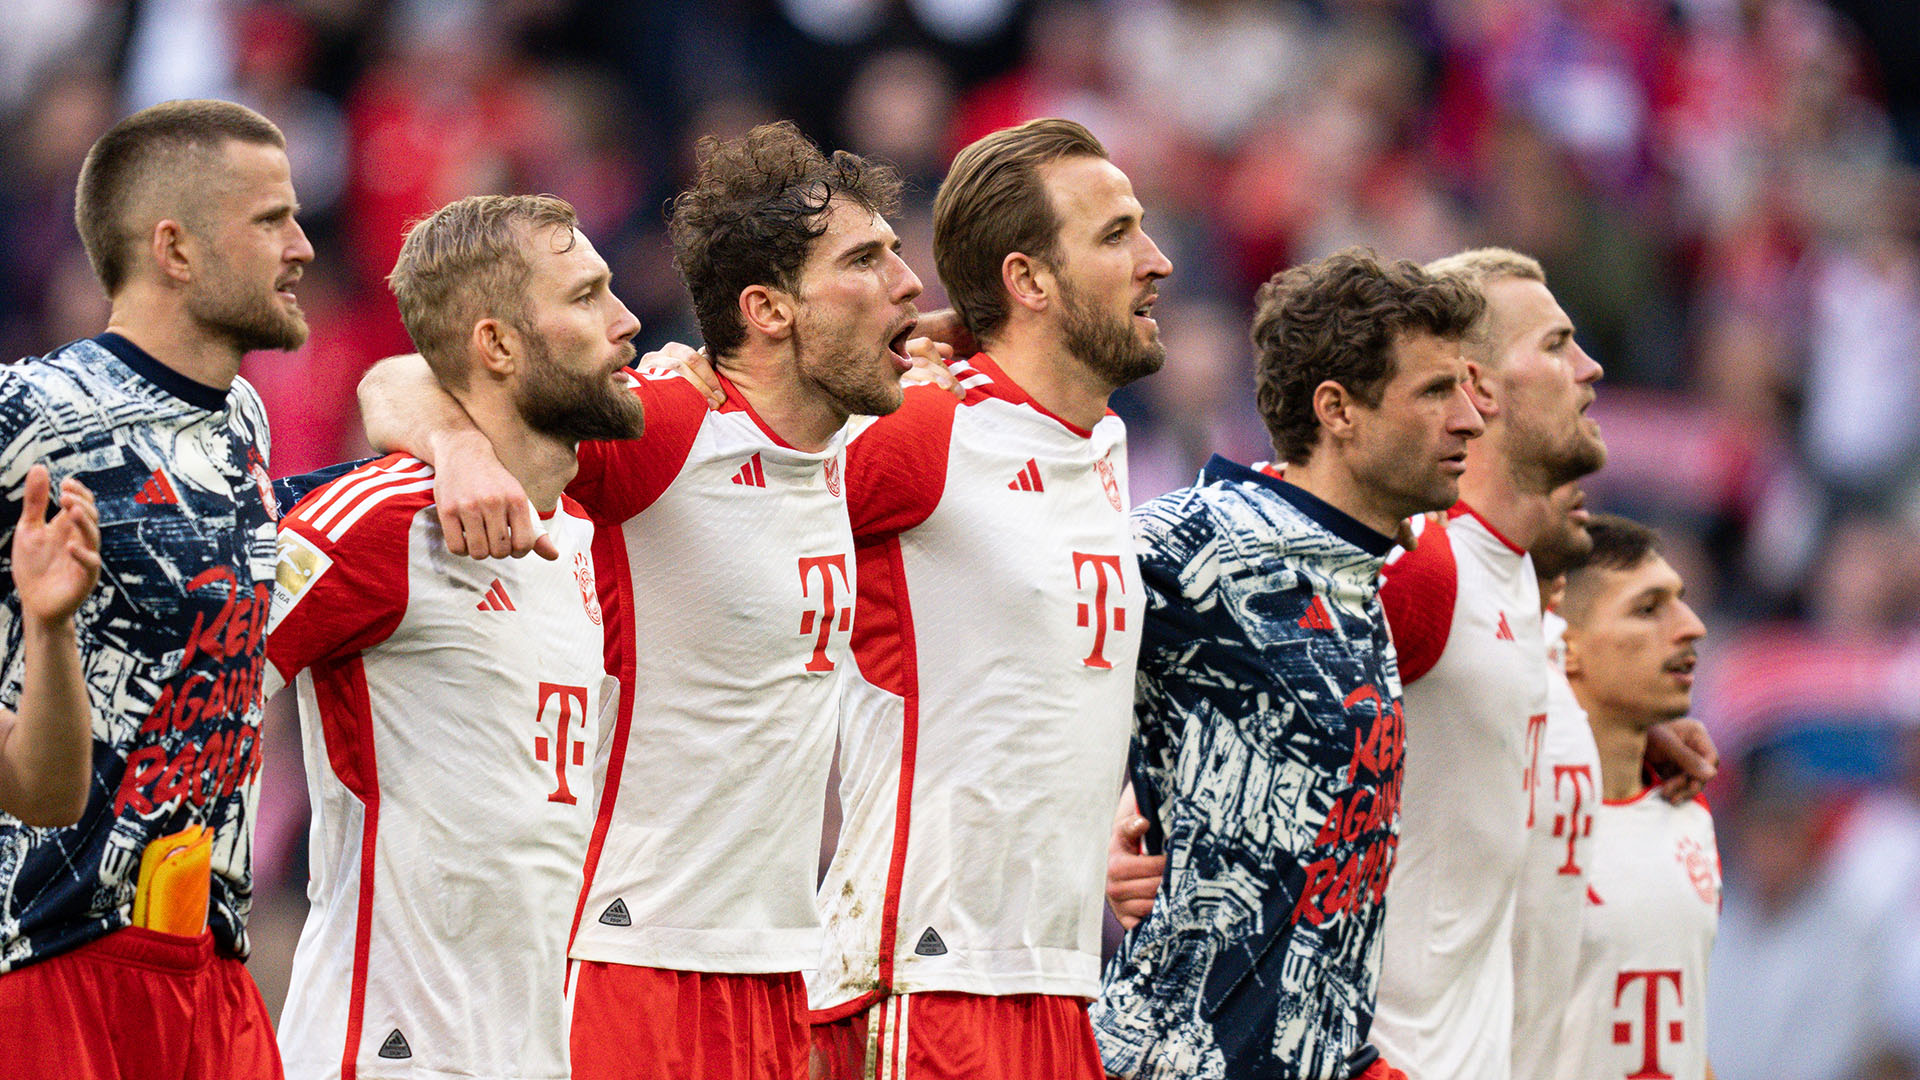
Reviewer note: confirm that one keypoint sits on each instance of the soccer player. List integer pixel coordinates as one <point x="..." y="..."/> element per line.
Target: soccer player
<point x="448" y="706"/>
<point x="123" y="937"/>
<point x="998" y="619"/>
<point x="727" y="576"/>
<point x="1638" y="1005"/>
<point x="1269" y="749"/>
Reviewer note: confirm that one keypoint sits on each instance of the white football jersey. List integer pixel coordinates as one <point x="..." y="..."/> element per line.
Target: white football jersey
<point x="985" y="733"/>
<point x="727" y="576"/>
<point x="1563" y="788"/>
<point x="1639" y="1004"/>
<point x="449" y="709"/>
<point x="1464" y="607"/>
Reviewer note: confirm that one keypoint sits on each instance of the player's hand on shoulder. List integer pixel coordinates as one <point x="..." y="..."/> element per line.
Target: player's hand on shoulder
<point x="946" y="327"/>
<point x="930" y="359"/>
<point x="688" y="363"/>
<point x="55" y="562"/>
<point x="1682" y="755"/>
<point x="483" y="510"/>
<point x="1133" y="877"/>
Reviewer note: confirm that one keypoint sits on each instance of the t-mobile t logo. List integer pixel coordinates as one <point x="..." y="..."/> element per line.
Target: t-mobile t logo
<point x="1653" y="1034"/>
<point x="1098" y="613"/>
<point x="1573" y="824"/>
<point x="822" y="618"/>
<point x="568" y="739"/>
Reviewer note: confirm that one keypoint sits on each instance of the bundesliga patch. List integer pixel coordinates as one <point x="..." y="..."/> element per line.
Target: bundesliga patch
<point x="298" y="565"/>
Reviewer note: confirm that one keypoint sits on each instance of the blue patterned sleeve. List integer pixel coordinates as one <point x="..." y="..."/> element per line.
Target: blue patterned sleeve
<point x="1175" y="540"/>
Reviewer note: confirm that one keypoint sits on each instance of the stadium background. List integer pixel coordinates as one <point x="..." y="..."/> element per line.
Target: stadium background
<point x="1723" y="193"/>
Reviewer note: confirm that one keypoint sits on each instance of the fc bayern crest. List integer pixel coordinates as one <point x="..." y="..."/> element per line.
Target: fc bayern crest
<point x="1700" y="867"/>
<point x="257" y="469"/>
<point x="589" y="593"/>
<point x="1108" y="481"/>
<point x="833" y="477"/>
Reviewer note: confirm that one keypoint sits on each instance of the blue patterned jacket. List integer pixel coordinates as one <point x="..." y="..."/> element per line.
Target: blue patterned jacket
<point x="1267" y="755"/>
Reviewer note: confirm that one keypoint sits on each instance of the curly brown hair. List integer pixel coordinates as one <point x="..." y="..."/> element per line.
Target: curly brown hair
<point x="1337" y="319"/>
<point x="756" y="206"/>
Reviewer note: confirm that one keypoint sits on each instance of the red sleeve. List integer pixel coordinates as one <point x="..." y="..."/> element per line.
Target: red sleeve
<point x="340" y="586"/>
<point x="897" y="467"/>
<point x="619" y="479"/>
<point x="1419" y="593"/>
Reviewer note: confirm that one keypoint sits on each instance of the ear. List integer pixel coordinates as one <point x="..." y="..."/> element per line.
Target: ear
<point x="173" y="250"/>
<point x="498" y="346"/>
<point x="1028" y="281"/>
<point x="1334" y="407"/>
<point x="1477" y="383"/>
<point x="768" y="311"/>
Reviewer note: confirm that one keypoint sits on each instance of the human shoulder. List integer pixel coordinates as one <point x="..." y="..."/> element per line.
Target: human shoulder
<point x="1420" y="590"/>
<point x="369" y="508"/>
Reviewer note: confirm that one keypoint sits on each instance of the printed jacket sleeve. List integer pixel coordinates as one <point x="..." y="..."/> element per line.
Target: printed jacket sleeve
<point x="340" y="586"/>
<point x="897" y="465"/>
<point x="619" y="479"/>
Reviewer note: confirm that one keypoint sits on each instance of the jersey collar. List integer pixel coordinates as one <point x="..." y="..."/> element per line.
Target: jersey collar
<point x="198" y="395"/>
<point x="1334" y="520"/>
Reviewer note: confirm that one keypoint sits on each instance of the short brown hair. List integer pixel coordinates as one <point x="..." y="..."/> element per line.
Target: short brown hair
<point x="1337" y="319"/>
<point x="992" y="204"/>
<point x="465" y="262"/>
<point x="756" y="206"/>
<point x="1618" y="544"/>
<point x="171" y="143"/>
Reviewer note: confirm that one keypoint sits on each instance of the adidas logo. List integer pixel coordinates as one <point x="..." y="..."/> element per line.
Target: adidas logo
<point x="1028" y="479"/>
<point x="616" y="914"/>
<point x="1505" y="632"/>
<point x="752" y="474"/>
<point x="930" y="944"/>
<point x="1317" y="617"/>
<point x="396" y="1046"/>
<point x="158" y="491"/>
<point x="496" y="599"/>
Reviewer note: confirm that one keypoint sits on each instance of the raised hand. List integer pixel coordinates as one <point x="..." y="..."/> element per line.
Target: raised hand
<point x="55" y="563"/>
<point x="930" y="359"/>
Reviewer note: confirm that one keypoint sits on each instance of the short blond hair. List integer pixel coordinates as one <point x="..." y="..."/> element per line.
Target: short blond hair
<point x="1480" y="268"/>
<point x="466" y="262"/>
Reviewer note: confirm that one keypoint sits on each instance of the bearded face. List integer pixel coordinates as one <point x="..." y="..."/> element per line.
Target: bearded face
<point x="577" y="405"/>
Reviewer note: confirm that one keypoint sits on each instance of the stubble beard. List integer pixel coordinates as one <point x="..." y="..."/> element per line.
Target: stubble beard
<point x="848" y="375"/>
<point x="1108" y="347"/>
<point x="576" y="406"/>
<point x="246" y="319"/>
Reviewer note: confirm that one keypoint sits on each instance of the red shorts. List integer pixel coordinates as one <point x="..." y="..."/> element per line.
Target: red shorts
<point x="934" y="1035"/>
<point x="136" y="1004"/>
<point x="640" y="1023"/>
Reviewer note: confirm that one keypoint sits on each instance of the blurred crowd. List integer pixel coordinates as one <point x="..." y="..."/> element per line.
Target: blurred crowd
<point x="1723" y="193"/>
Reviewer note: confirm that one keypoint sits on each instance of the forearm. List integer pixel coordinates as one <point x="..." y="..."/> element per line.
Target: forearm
<point x="46" y="749"/>
<point x="405" y="409"/>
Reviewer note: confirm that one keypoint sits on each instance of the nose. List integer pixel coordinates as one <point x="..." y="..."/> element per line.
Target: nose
<point x="906" y="284"/>
<point x="1463" y="419"/>
<point x="1154" y="265"/>
<point x="1691" y="628"/>
<point x="1585" y="368"/>
<point x="625" y="323"/>
<point x="299" y="249"/>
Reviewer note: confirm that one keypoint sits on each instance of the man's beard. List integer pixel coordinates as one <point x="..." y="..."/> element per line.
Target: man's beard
<point x="247" y="319"/>
<point x="1562" y="462"/>
<point x="1108" y="346"/>
<point x="849" y="375"/>
<point x="576" y="406"/>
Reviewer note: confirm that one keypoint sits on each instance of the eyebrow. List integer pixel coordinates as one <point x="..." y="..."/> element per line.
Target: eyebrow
<point x="591" y="281"/>
<point x="1127" y="218"/>
<point x="868" y="247"/>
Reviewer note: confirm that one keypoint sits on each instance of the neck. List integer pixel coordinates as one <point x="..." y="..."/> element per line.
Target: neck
<point x="162" y="328"/>
<point x="788" y="403"/>
<point x="1326" y="478"/>
<point x="1034" y="356"/>
<point x="1623" y="747"/>
<point x="1508" y="503"/>
<point x="543" y="464"/>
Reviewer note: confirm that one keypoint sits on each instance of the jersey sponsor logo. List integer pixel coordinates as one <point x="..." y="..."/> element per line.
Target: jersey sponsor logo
<point x="820" y="621"/>
<point x="1503" y="632"/>
<point x="751" y="474"/>
<point x="298" y="563"/>
<point x="616" y="914"/>
<point x="1098" y="614"/>
<point x="1652" y="1034"/>
<point x="1108" y="480"/>
<point x="396" y="1046"/>
<point x="1578" y="780"/>
<point x="158" y="491"/>
<point x="1702" y="868"/>
<point x="589" y="592"/>
<point x="1317" y="616"/>
<point x="1530" y="776"/>
<point x="832" y="472"/>
<point x="1028" y="478"/>
<point x="572" y="714"/>
<point x="930" y="944"/>
<point x="496" y="599"/>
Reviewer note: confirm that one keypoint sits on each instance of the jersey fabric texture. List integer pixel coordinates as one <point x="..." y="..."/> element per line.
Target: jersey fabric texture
<point x="138" y="1004"/>
<point x="1465" y="610"/>
<point x="934" y="1035"/>
<point x="727" y="577"/>
<point x="449" y="709"/>
<point x="691" y="1024"/>
<point x="984" y="738"/>
<point x="1640" y="998"/>
<point x="1563" y="789"/>
<point x="1268" y="755"/>
<point x="170" y="640"/>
